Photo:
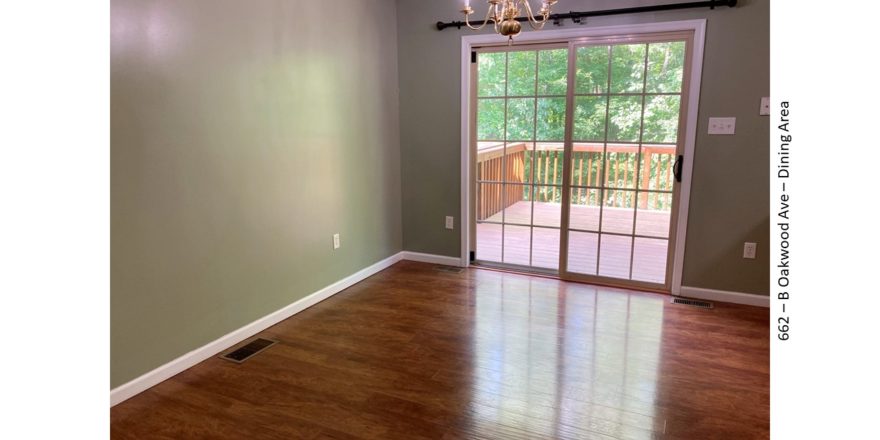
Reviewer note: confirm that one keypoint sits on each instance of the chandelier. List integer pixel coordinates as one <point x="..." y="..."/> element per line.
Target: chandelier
<point x="504" y="13"/>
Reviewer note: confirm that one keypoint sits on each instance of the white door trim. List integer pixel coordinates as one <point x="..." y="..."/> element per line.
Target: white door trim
<point x="699" y="29"/>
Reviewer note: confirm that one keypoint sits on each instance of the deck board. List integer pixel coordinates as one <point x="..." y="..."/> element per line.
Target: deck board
<point x="648" y="255"/>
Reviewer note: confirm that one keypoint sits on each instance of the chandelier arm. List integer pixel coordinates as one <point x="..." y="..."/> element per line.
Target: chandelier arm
<point x="485" y="21"/>
<point x="533" y="22"/>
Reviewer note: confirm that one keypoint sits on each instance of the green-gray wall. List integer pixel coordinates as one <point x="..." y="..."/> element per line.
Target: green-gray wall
<point x="243" y="135"/>
<point x="729" y="202"/>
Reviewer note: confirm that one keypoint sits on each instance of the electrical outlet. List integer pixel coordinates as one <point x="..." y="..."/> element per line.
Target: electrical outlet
<point x="722" y="125"/>
<point x="336" y="243"/>
<point x="749" y="250"/>
<point x="450" y="222"/>
<point x="765" y="106"/>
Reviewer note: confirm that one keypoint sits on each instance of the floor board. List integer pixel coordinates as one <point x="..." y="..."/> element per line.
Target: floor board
<point x="414" y="353"/>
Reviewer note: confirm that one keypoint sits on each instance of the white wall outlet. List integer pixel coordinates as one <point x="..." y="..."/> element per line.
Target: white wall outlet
<point x="765" y="106"/>
<point x="749" y="250"/>
<point x="450" y="222"/>
<point x="336" y="243"/>
<point x="722" y="125"/>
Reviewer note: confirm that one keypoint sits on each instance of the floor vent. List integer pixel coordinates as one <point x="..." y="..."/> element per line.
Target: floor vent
<point x="245" y="352"/>
<point x="692" y="302"/>
<point x="448" y="269"/>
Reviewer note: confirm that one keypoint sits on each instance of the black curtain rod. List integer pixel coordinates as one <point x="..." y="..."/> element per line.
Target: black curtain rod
<point x="577" y="16"/>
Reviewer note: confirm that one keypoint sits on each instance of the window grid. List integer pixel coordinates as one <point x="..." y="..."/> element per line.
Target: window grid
<point x="605" y="186"/>
<point x="529" y="185"/>
<point x="631" y="163"/>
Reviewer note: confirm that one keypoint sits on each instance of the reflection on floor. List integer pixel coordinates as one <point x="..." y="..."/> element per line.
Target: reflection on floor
<point x="414" y="353"/>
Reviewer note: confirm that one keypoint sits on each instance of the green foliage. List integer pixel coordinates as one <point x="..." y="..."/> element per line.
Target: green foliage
<point x="511" y="77"/>
<point x="551" y="119"/>
<point x="627" y="68"/>
<point x="520" y="119"/>
<point x="591" y="69"/>
<point x="589" y="118"/>
<point x="661" y="119"/>
<point x="625" y="115"/>
<point x="665" y="67"/>
<point x="553" y="72"/>
<point x="490" y="119"/>
<point x="521" y="73"/>
<point x="491" y="79"/>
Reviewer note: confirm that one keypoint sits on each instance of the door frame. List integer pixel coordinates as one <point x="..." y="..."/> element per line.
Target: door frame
<point x="699" y="29"/>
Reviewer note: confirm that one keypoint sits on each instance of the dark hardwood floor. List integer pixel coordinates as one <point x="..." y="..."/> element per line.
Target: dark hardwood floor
<point x="414" y="353"/>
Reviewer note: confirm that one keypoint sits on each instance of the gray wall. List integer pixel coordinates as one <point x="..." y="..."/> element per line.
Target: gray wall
<point x="244" y="134"/>
<point x="730" y="192"/>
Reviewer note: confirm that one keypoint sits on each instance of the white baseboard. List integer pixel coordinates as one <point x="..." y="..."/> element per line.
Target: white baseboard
<point x="156" y="376"/>
<point x="431" y="258"/>
<point x="726" y="296"/>
<point x="160" y="374"/>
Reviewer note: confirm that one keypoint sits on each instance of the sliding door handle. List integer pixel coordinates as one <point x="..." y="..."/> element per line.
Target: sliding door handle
<point x="676" y="168"/>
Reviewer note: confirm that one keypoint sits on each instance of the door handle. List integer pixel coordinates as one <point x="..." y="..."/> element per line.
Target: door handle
<point x="676" y="168"/>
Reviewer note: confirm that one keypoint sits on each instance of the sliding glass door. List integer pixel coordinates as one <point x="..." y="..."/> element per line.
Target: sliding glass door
<point x="520" y="119"/>
<point x="576" y="155"/>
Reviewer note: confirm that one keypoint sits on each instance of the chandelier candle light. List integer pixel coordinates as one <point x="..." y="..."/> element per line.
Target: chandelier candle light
<point x="503" y="15"/>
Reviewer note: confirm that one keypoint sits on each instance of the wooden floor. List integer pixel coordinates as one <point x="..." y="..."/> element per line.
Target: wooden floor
<point x="414" y="353"/>
<point x="648" y="255"/>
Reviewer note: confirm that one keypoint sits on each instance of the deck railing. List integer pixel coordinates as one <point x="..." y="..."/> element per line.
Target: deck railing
<point x="620" y="172"/>
<point x="491" y="166"/>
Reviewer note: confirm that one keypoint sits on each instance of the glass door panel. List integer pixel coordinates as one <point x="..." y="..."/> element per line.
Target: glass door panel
<point x="583" y="252"/>
<point x="649" y="259"/>
<point x="627" y="112"/>
<point x="576" y="149"/>
<point x="521" y="116"/>
<point x="614" y="255"/>
<point x="545" y="248"/>
<point x="584" y="210"/>
<point x="618" y="212"/>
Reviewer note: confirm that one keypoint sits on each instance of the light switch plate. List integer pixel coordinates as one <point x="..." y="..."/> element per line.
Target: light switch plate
<point x="336" y="243"/>
<point x="765" y="106"/>
<point x="722" y="125"/>
<point x="749" y="250"/>
<point x="450" y="222"/>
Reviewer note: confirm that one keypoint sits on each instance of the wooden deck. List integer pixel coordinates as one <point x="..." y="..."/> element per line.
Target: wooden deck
<point x="648" y="255"/>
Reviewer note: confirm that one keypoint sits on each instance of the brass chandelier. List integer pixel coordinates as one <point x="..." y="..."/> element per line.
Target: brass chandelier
<point x="504" y="13"/>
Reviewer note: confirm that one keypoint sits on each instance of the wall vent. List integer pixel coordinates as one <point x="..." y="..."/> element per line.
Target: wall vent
<point x="692" y="302"/>
<point x="448" y="269"/>
<point x="246" y="351"/>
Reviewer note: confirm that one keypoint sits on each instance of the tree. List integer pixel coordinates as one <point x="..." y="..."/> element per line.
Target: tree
<point x="522" y="97"/>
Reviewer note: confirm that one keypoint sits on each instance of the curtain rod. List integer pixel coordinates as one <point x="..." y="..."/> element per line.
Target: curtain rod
<point x="576" y="17"/>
